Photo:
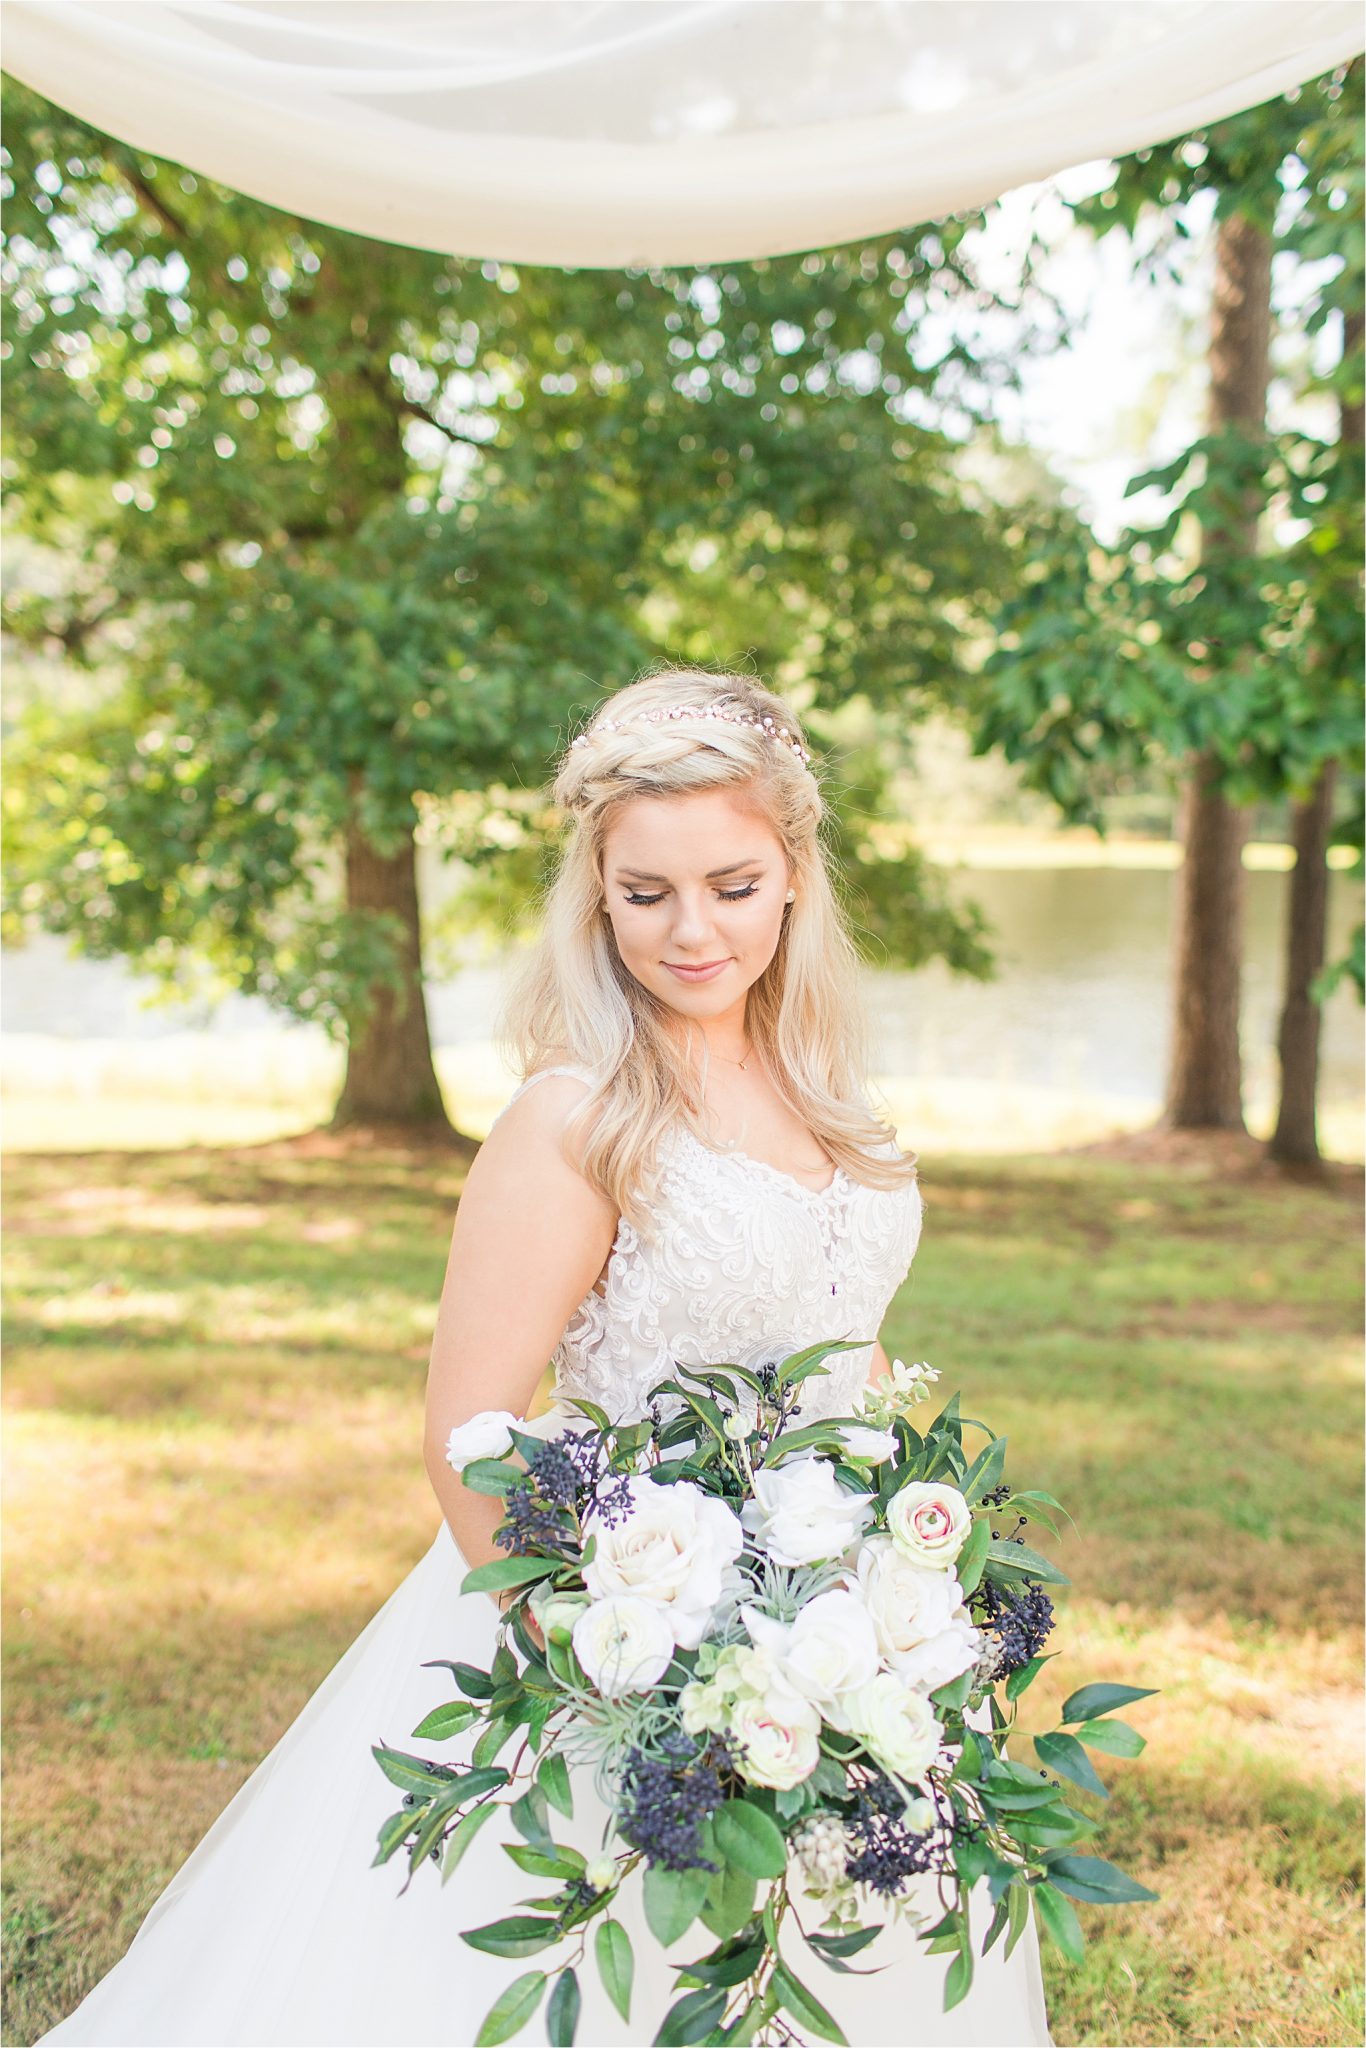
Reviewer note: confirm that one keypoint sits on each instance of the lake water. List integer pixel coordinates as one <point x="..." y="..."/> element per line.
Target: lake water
<point x="1071" y="1036"/>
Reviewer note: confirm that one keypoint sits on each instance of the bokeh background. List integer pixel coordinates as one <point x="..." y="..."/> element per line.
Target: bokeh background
<point x="1048" y="516"/>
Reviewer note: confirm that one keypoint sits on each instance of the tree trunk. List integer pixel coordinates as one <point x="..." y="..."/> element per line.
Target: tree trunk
<point x="1295" y="1138"/>
<point x="390" y="1075"/>
<point x="1204" y="1080"/>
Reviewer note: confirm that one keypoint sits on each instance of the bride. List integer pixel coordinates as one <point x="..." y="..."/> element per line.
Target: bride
<point x="691" y="1170"/>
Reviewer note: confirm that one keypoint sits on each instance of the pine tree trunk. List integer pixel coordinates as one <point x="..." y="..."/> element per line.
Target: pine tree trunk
<point x="1204" y="1078"/>
<point x="1295" y="1138"/>
<point x="390" y="1074"/>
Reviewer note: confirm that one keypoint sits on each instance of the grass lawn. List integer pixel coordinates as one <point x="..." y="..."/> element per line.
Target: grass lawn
<point x="214" y="1407"/>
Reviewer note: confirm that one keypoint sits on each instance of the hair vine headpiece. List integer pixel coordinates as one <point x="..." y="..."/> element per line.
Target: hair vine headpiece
<point x="765" y="723"/>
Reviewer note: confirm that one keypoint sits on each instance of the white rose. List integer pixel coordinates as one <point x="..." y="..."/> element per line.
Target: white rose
<point x="487" y="1435"/>
<point x="929" y="1521"/>
<point x="828" y="1651"/>
<point x="945" y="1656"/>
<point x="624" y="1644"/>
<point x="774" y="1751"/>
<point x="907" y="1601"/>
<point x="896" y="1726"/>
<point x="866" y="1445"/>
<point x="556" y="1613"/>
<point x="800" y="1513"/>
<point x="672" y="1549"/>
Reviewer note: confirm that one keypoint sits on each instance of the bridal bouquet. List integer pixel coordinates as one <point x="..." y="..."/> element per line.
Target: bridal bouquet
<point x="790" y="1655"/>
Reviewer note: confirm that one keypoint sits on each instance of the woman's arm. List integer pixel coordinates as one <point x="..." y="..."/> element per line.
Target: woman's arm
<point x="880" y="1366"/>
<point x="529" y="1240"/>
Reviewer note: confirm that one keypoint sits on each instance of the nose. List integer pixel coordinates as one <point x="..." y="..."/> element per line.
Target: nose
<point x="692" y="921"/>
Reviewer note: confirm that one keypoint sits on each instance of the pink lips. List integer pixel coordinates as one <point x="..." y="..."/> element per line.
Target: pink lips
<point x="707" y="973"/>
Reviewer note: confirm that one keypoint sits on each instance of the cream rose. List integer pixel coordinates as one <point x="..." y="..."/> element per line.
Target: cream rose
<point x="929" y="1522"/>
<point x="672" y="1548"/>
<point x="773" y="1751"/>
<point x="923" y="1628"/>
<point x="895" y="1726"/>
<point x="486" y="1435"/>
<point x="800" y="1514"/>
<point x="828" y="1651"/>
<point x="624" y="1644"/>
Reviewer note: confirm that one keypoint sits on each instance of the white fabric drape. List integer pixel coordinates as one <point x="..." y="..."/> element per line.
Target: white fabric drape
<point x="548" y="131"/>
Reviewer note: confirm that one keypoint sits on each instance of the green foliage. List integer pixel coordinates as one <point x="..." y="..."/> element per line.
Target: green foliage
<point x="362" y="529"/>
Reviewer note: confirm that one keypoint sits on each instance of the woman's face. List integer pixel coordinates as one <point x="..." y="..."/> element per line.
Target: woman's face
<point x="698" y="882"/>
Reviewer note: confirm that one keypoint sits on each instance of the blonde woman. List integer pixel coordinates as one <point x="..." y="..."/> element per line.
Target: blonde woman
<point x="690" y="1170"/>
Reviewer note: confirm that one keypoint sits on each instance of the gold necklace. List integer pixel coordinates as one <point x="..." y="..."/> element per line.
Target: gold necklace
<point x="735" y="1063"/>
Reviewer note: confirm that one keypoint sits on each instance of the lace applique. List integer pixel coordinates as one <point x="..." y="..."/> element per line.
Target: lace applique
<point x="746" y="1262"/>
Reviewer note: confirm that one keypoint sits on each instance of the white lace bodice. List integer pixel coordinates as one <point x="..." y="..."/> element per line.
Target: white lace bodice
<point x="747" y="1261"/>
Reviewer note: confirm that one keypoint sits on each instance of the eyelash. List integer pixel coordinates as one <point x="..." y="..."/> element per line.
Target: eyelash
<point x="726" y="895"/>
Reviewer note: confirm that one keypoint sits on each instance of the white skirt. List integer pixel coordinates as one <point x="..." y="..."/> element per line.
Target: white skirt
<point x="277" y="1931"/>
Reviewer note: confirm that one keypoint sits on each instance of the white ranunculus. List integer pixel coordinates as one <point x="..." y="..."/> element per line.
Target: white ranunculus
<point x="895" y="1725"/>
<point x="624" y="1644"/>
<point x="929" y="1521"/>
<point x="865" y="1445"/>
<point x="556" y="1613"/>
<point x="672" y="1548"/>
<point x="800" y="1514"/>
<point x="773" y="1750"/>
<point x="828" y="1651"/>
<point x="486" y="1435"/>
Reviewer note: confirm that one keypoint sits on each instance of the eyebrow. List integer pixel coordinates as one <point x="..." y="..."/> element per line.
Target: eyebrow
<point x="712" y="874"/>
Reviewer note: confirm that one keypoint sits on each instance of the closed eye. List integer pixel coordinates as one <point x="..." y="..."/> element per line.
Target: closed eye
<point x="726" y="895"/>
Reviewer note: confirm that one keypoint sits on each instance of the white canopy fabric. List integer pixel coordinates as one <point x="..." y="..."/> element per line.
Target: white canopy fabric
<point x="655" y="131"/>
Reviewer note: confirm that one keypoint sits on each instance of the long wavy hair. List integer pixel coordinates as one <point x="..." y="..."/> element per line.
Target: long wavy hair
<point x="575" y="1002"/>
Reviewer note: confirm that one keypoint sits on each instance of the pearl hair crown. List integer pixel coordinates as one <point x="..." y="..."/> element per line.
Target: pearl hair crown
<point x="765" y="723"/>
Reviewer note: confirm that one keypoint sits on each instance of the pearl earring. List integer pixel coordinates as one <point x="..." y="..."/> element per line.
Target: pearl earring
<point x="791" y="895"/>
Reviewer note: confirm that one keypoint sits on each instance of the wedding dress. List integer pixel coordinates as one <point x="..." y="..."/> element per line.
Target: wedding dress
<point x="277" y="1930"/>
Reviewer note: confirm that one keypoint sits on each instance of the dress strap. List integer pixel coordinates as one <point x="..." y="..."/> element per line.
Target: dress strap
<point x="578" y="1073"/>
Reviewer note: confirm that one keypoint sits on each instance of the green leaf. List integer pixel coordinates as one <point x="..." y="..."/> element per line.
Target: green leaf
<point x="1020" y="1681"/>
<point x="489" y="1475"/>
<point x="616" y="1964"/>
<point x="1066" y="1755"/>
<point x="728" y="1965"/>
<point x="1094" y="1700"/>
<point x="564" y="1863"/>
<point x="1018" y="1897"/>
<point x="1115" y="1736"/>
<point x="749" y="1839"/>
<point x="985" y="1470"/>
<point x="447" y="1720"/>
<point x="958" y="1978"/>
<point x="394" y="1830"/>
<point x="562" y="2013"/>
<point x="691" y="2019"/>
<point x="673" y="1899"/>
<point x="410" y="1773"/>
<point x="501" y="1572"/>
<point x="804" y="2006"/>
<point x="510" y="2012"/>
<point x="518" y="1935"/>
<point x="463" y="1836"/>
<point x="1009" y="1556"/>
<point x="973" y="1556"/>
<point x="827" y="1945"/>
<point x="729" y="1904"/>
<point x="1093" y="1879"/>
<point x="472" y="1680"/>
<point x="553" y="1779"/>
<point x="954" y="1692"/>
<point x="1058" y="1918"/>
<point x="491" y="1741"/>
<point x="531" y="1817"/>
